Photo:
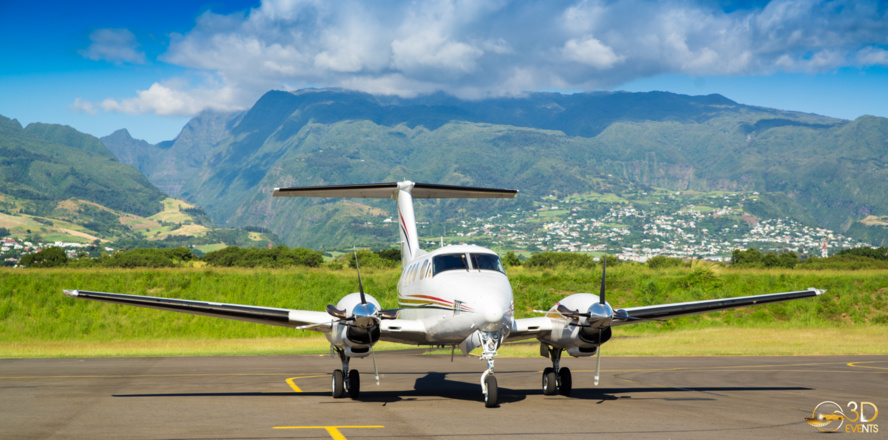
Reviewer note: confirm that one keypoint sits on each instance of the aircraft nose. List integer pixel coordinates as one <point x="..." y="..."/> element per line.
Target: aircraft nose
<point x="491" y="316"/>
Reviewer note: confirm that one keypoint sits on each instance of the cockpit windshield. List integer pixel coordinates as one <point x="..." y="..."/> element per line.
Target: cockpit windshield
<point x="487" y="262"/>
<point x="443" y="263"/>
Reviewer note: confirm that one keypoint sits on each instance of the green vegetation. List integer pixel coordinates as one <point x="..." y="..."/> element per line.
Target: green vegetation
<point x="754" y="258"/>
<point x="277" y="257"/>
<point x="34" y="311"/>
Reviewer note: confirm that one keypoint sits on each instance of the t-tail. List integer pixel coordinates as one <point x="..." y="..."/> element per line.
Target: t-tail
<point x="404" y="193"/>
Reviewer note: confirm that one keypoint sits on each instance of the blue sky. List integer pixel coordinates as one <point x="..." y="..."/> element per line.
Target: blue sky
<point x="150" y="66"/>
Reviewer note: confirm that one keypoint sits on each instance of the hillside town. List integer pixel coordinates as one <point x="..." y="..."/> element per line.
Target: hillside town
<point x="666" y="226"/>
<point x="638" y="233"/>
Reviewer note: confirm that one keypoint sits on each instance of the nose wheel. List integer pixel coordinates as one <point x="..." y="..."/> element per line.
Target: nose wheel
<point x="490" y="341"/>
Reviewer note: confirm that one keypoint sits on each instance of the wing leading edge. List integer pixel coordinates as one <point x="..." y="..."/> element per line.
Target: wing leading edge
<point x="395" y="330"/>
<point x="634" y="315"/>
<point x="527" y="328"/>
<point x="238" y="312"/>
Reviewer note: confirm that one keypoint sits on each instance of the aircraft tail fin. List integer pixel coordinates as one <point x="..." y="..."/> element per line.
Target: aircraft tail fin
<point x="403" y="193"/>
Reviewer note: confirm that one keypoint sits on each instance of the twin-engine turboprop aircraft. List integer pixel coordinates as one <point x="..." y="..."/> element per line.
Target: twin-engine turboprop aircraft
<point x="456" y="295"/>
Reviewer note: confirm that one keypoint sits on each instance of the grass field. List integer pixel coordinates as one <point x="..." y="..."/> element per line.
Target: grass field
<point x="36" y="320"/>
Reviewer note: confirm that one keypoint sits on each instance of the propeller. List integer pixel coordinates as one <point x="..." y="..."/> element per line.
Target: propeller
<point x="603" y="306"/>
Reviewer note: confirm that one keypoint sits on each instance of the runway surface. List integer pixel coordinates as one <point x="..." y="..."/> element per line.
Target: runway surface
<point x="427" y="396"/>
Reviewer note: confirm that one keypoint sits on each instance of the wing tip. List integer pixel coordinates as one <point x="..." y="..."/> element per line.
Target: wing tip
<point x="71" y="293"/>
<point x="817" y="292"/>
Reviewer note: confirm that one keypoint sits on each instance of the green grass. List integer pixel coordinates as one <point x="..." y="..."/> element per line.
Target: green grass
<point x="37" y="320"/>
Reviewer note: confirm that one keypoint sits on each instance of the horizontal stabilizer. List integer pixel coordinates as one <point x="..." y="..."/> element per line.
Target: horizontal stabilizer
<point x="388" y="190"/>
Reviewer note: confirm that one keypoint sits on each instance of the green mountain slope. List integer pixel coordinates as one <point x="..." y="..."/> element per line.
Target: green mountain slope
<point x="63" y="185"/>
<point x="45" y="164"/>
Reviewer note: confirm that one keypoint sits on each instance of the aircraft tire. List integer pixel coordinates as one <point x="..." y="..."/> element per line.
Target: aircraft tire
<point x="338" y="379"/>
<point x="549" y="382"/>
<point x="565" y="382"/>
<point x="354" y="384"/>
<point x="490" y="399"/>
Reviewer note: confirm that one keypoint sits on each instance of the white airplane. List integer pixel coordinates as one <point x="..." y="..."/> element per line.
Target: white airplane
<point x="457" y="296"/>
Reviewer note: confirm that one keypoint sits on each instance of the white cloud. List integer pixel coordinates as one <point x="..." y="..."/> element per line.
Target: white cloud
<point x="115" y="45"/>
<point x="592" y="52"/>
<point x="478" y="48"/>
<point x="81" y="106"/>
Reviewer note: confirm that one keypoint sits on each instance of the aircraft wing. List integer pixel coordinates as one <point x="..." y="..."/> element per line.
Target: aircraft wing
<point x="318" y="321"/>
<point x="527" y="328"/>
<point x="634" y="315"/>
<point x="405" y="331"/>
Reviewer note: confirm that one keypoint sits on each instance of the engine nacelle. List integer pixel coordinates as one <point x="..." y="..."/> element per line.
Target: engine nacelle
<point x="358" y="329"/>
<point x="583" y="326"/>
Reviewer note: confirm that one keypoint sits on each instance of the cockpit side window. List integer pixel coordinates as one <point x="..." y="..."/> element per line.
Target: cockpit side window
<point x="443" y="263"/>
<point x="487" y="262"/>
<point x="422" y="272"/>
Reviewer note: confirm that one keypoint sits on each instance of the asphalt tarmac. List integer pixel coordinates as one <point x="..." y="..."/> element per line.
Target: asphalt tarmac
<point x="427" y="396"/>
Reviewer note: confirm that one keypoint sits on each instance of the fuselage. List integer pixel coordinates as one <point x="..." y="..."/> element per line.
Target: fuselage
<point x="455" y="291"/>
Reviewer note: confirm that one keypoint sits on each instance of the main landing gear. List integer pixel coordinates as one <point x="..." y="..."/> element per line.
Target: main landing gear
<point x="556" y="380"/>
<point x="345" y="379"/>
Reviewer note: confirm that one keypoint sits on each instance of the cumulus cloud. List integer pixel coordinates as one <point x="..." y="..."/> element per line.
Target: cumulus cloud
<point x="480" y="48"/>
<point x="114" y="45"/>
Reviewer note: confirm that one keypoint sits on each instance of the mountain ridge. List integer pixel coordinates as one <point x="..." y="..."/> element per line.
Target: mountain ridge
<point x="812" y="167"/>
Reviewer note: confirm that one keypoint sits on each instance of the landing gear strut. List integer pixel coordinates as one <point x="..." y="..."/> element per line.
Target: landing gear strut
<point x="490" y="341"/>
<point x="345" y="379"/>
<point x="556" y="378"/>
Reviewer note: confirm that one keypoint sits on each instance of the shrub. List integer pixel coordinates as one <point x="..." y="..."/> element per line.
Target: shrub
<point x="560" y="259"/>
<point x="661" y="262"/>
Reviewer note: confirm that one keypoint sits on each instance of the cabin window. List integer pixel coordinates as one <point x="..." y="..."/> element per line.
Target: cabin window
<point x="487" y="262"/>
<point x="422" y="272"/>
<point x="443" y="263"/>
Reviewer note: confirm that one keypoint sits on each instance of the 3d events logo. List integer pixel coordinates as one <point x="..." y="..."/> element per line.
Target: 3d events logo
<point x="829" y="417"/>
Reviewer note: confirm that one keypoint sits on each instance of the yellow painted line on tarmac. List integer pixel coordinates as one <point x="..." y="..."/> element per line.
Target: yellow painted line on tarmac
<point x="292" y="383"/>
<point x="855" y="365"/>
<point x="334" y="432"/>
<point x="126" y="376"/>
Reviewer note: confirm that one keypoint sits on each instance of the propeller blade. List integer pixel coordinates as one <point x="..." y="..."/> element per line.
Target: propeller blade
<point x="572" y="314"/>
<point x="360" y="284"/>
<point x="334" y="312"/>
<point x="598" y="360"/>
<point x="375" y="370"/>
<point x="603" y="271"/>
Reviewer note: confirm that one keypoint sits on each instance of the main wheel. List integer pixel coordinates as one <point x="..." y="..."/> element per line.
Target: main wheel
<point x="549" y="381"/>
<point x="338" y="379"/>
<point x="564" y="381"/>
<point x="354" y="384"/>
<point x="490" y="399"/>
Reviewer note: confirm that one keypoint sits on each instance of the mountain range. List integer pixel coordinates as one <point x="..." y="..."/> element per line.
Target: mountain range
<point x="819" y="170"/>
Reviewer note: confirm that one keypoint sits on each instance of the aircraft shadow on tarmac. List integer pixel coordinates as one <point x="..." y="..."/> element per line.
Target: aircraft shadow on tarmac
<point x="435" y="384"/>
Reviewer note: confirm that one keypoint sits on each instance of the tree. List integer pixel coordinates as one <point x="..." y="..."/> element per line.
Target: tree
<point x="49" y="257"/>
<point x="749" y="257"/>
<point x="510" y="259"/>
